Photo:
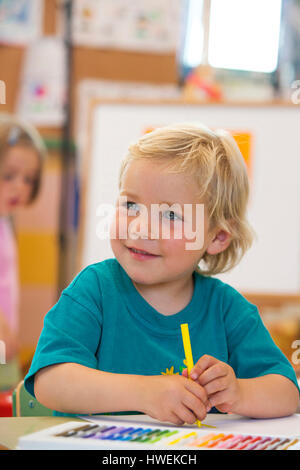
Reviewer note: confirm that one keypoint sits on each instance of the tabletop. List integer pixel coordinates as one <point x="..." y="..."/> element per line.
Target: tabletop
<point x="13" y="428"/>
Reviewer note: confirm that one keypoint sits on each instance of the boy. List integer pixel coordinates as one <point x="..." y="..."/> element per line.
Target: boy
<point x="113" y="340"/>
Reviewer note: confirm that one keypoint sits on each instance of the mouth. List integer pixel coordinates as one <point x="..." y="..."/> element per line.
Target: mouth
<point x="14" y="201"/>
<point x="141" y="254"/>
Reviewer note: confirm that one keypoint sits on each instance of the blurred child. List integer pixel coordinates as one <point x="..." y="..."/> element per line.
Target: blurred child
<point x="113" y="340"/>
<point x="21" y="155"/>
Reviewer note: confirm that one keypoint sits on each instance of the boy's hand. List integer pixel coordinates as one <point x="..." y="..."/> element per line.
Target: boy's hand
<point x="219" y="382"/>
<point x="174" y="398"/>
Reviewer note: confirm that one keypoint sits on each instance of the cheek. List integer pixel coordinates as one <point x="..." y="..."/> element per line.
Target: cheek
<point x="4" y="188"/>
<point x="184" y="248"/>
<point x="118" y="227"/>
<point x="173" y="246"/>
<point x="28" y="191"/>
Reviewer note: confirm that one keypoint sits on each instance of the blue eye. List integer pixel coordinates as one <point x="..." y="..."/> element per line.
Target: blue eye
<point x="132" y="206"/>
<point x="173" y="216"/>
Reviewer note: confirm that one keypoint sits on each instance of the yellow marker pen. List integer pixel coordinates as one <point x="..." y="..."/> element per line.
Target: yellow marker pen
<point x="188" y="352"/>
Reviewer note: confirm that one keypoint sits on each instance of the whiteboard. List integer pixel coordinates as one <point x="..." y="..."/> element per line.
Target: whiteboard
<point x="272" y="265"/>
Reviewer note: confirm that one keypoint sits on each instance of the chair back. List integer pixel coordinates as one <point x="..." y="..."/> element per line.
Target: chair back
<point x="26" y="405"/>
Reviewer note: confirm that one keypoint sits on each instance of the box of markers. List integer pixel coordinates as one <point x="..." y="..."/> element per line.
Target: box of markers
<point x="124" y="435"/>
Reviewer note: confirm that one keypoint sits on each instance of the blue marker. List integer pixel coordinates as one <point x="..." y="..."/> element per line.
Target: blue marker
<point x="120" y="434"/>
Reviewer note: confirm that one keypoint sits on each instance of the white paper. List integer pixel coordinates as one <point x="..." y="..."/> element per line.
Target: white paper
<point x="20" y="21"/>
<point x="43" y="84"/>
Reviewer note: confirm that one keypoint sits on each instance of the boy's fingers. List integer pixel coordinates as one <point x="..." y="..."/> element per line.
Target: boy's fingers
<point x="185" y="373"/>
<point x="174" y="419"/>
<point x="204" y="363"/>
<point x="215" y="386"/>
<point x="196" y="406"/>
<point x="216" y="371"/>
<point x="197" y="390"/>
<point x="186" y="414"/>
<point x="219" y="398"/>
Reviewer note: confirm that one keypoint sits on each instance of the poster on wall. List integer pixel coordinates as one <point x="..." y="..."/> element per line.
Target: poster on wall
<point x="21" y="21"/>
<point x="152" y="26"/>
<point x="42" y="93"/>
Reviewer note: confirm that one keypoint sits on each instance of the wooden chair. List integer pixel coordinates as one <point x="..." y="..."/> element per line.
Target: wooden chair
<point x="25" y="405"/>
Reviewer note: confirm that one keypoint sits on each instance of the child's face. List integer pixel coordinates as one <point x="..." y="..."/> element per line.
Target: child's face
<point x="145" y="184"/>
<point x="18" y="174"/>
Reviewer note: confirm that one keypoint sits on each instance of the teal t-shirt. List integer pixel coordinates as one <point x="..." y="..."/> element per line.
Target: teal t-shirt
<point x="101" y="321"/>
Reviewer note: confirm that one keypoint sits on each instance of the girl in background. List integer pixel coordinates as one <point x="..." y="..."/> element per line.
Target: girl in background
<point x="21" y="156"/>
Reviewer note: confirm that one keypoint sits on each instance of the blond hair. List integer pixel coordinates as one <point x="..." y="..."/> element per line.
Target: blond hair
<point x="14" y="131"/>
<point x="214" y="161"/>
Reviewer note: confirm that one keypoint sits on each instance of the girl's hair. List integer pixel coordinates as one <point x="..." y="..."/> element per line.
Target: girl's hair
<point x="215" y="162"/>
<point x="15" y="132"/>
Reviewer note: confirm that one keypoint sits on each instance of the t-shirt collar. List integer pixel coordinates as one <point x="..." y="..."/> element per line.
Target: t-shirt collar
<point x="141" y="309"/>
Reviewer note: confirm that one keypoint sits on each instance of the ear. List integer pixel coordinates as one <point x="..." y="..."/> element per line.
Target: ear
<point x="219" y="243"/>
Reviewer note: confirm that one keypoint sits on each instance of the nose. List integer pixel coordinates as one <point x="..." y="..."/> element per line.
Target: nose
<point x="142" y="226"/>
<point x="138" y="227"/>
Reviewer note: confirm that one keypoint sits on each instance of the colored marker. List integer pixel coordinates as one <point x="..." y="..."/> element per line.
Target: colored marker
<point x="199" y="440"/>
<point x="131" y="434"/>
<point x="274" y="444"/>
<point x="92" y="432"/>
<point x="163" y="435"/>
<point x="188" y="352"/>
<point x="77" y="430"/>
<point x="262" y="444"/>
<point x="207" y="442"/>
<point x="185" y="438"/>
<point x="231" y="443"/>
<point x="241" y="443"/>
<point x="149" y="435"/>
<point x="114" y="433"/>
<point x="107" y="432"/>
<point x="218" y="441"/>
<point x="121" y="434"/>
<point x="291" y="443"/>
<point x="282" y="444"/>
<point x="253" y="443"/>
<point x="141" y="435"/>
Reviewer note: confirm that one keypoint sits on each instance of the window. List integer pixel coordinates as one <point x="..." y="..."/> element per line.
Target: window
<point x="241" y="34"/>
<point x="193" y="50"/>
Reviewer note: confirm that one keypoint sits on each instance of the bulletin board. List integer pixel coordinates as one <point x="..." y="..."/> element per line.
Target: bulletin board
<point x="272" y="265"/>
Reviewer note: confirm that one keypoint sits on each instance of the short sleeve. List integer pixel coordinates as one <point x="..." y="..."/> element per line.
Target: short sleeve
<point x="72" y="328"/>
<point x="251" y="349"/>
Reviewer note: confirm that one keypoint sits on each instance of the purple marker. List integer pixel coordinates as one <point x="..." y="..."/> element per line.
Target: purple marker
<point x="121" y="434"/>
<point x="113" y="432"/>
<point x="107" y="431"/>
